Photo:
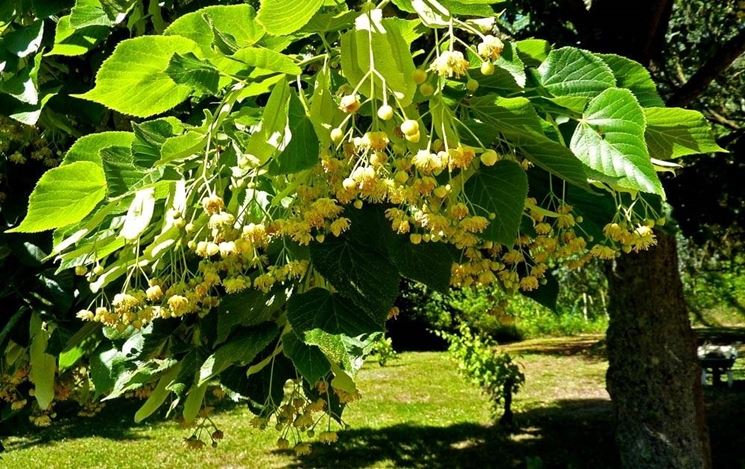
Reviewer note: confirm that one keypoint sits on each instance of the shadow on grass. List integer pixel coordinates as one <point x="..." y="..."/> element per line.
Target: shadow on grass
<point x="115" y="422"/>
<point x="587" y="347"/>
<point x="573" y="433"/>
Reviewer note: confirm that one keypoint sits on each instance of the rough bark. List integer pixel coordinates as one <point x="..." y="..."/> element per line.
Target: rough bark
<point x="653" y="375"/>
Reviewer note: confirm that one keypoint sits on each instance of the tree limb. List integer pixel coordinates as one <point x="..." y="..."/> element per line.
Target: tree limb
<point x="718" y="63"/>
<point x="720" y="119"/>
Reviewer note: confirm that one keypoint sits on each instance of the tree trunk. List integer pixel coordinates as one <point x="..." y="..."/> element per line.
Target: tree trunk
<point x="653" y="378"/>
<point x="653" y="374"/>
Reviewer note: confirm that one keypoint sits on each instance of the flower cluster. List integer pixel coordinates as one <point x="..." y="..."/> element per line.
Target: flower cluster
<point x="300" y="415"/>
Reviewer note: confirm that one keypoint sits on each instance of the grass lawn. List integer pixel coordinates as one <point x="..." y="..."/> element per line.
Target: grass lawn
<point x="416" y="412"/>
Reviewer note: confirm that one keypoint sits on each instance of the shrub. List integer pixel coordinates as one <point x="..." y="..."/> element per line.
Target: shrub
<point x="483" y="364"/>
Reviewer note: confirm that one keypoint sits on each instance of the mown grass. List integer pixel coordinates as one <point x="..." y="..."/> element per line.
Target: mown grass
<point x="416" y="412"/>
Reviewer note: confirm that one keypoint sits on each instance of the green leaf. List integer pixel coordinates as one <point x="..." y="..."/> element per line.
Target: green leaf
<point x="509" y="63"/>
<point x="310" y="362"/>
<point x="320" y="309"/>
<point x="302" y="150"/>
<point x="43" y="365"/>
<point x="610" y="139"/>
<point x="23" y="85"/>
<point x="431" y="12"/>
<point x="28" y="114"/>
<point x="70" y="42"/>
<point x="99" y="12"/>
<point x="391" y="56"/>
<point x="193" y="401"/>
<point x="518" y="121"/>
<point x="69" y="358"/>
<point x="138" y="65"/>
<point x="159" y="394"/>
<point x="87" y="148"/>
<point x="106" y="365"/>
<point x="546" y="295"/>
<point x="261" y="82"/>
<point x="265" y="388"/>
<point x="533" y="51"/>
<point x="330" y="21"/>
<point x="24" y="41"/>
<point x="267" y="59"/>
<point x="443" y="120"/>
<point x="182" y="146"/>
<point x="511" y="116"/>
<point x="120" y="170"/>
<point x="499" y="190"/>
<point x="150" y="137"/>
<point x="139" y="214"/>
<point x="64" y="195"/>
<point x="10" y="324"/>
<point x="242" y="348"/>
<point x="479" y="8"/>
<point x="675" y="132"/>
<point x="634" y="77"/>
<point x="358" y="266"/>
<point x="332" y="346"/>
<point x="247" y="308"/>
<point x="509" y="72"/>
<point x="200" y="26"/>
<point x="569" y="71"/>
<point x="272" y="136"/>
<point x="190" y="70"/>
<point x="324" y="113"/>
<point x="428" y="263"/>
<point x="281" y="17"/>
<point x="132" y="379"/>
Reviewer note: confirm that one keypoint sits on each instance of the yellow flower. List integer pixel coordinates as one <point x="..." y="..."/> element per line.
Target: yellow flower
<point x="528" y="283"/>
<point x="213" y="204"/>
<point x="350" y="103"/>
<point x="490" y="48"/>
<point x="339" y="226"/>
<point x="513" y="256"/>
<point x="235" y="284"/>
<point x="18" y="405"/>
<point x="460" y="157"/>
<point x="85" y="315"/>
<point x="603" y="252"/>
<point x="450" y="64"/>
<point x="565" y="220"/>
<point x="264" y="282"/>
<point x="256" y="233"/>
<point x="426" y="162"/>
<point x="227" y="248"/>
<point x="459" y="210"/>
<point x="154" y="293"/>
<point x="17" y="158"/>
<point x="328" y="437"/>
<point x="474" y="224"/>
<point x="179" y="305"/>
<point x="302" y="449"/>
<point x="374" y="141"/>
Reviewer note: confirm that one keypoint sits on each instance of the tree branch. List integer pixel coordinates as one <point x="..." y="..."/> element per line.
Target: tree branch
<point x="718" y="63"/>
<point x="720" y="119"/>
